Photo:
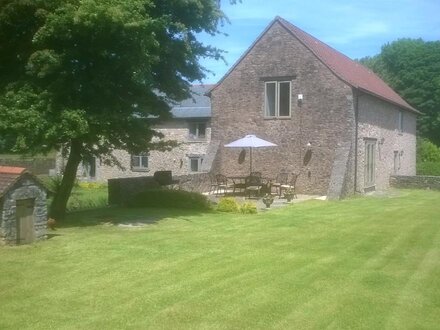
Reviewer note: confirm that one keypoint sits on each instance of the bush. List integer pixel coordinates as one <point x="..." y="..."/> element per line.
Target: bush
<point x="166" y="198"/>
<point x="248" y="208"/>
<point x="427" y="151"/>
<point x="428" y="168"/>
<point x="228" y="204"/>
<point x="92" y="185"/>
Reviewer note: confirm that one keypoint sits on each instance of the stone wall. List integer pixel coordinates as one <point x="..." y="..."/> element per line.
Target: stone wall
<point x="25" y="188"/>
<point x="379" y="120"/>
<point x="415" y="181"/>
<point x="176" y="160"/>
<point x="325" y="117"/>
<point x="120" y="190"/>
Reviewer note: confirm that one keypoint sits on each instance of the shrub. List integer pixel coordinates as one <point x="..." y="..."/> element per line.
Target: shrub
<point x="228" y="204"/>
<point x="92" y="185"/>
<point x="427" y="151"/>
<point x="166" y="198"/>
<point x="428" y="168"/>
<point x="248" y="208"/>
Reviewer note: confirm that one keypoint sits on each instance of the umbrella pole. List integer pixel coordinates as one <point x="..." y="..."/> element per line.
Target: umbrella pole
<point x="250" y="160"/>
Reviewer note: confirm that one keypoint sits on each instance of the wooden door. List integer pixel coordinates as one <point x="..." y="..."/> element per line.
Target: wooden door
<point x="25" y="221"/>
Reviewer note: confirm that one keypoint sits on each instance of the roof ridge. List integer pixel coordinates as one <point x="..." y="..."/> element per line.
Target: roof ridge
<point x="12" y="170"/>
<point x="346" y="69"/>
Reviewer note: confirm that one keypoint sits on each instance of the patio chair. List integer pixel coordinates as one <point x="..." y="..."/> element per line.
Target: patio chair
<point x="213" y="184"/>
<point x="223" y="184"/>
<point x="290" y="185"/>
<point x="253" y="185"/>
<point x="281" y="179"/>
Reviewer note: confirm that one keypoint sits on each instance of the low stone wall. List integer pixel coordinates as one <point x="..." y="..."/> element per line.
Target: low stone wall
<point x="416" y="181"/>
<point x="121" y="190"/>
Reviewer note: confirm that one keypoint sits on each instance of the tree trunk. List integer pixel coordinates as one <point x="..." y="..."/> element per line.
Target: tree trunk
<point x="59" y="203"/>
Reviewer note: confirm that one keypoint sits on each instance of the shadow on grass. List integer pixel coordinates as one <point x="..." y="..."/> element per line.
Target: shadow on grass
<point x="49" y="236"/>
<point x="125" y="216"/>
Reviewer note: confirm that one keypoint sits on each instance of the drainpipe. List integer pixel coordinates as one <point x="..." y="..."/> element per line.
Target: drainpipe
<point x="356" y="128"/>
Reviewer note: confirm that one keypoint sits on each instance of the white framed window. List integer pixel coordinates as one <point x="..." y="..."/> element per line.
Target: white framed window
<point x="277" y="99"/>
<point x="195" y="163"/>
<point x="197" y="131"/>
<point x="139" y="163"/>
<point x="400" y="121"/>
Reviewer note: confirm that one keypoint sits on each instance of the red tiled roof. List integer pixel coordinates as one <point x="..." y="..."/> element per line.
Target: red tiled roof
<point x="11" y="170"/>
<point x="351" y="72"/>
<point x="10" y="175"/>
<point x="346" y="69"/>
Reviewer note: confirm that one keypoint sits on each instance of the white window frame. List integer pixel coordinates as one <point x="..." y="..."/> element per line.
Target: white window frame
<point x="197" y="126"/>
<point x="141" y="167"/>
<point x="277" y="99"/>
<point x="199" y="160"/>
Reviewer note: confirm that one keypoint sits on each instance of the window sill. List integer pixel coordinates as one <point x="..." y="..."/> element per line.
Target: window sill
<point x="196" y="140"/>
<point x="277" y="118"/>
<point x="134" y="169"/>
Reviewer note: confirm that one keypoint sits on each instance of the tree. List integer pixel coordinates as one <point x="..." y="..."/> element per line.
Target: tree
<point x="92" y="76"/>
<point x="412" y="68"/>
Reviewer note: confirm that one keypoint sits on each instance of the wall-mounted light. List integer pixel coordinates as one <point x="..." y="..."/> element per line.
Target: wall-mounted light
<point x="300" y="99"/>
<point x="309" y="145"/>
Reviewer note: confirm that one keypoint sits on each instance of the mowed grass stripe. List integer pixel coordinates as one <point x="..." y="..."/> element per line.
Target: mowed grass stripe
<point x="359" y="263"/>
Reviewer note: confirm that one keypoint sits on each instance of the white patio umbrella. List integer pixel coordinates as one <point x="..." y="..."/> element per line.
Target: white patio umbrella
<point x="250" y="141"/>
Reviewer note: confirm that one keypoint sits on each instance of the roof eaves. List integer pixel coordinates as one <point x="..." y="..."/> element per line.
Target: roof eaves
<point x="408" y="108"/>
<point x="286" y="25"/>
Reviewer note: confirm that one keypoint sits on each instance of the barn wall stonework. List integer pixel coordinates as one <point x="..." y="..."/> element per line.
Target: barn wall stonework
<point x="25" y="188"/>
<point x="325" y="118"/>
<point x="379" y="120"/>
<point x="176" y="160"/>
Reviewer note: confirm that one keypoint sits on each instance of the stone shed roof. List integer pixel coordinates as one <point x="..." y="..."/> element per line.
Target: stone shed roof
<point x="197" y="106"/>
<point x="10" y="175"/>
<point x="349" y="71"/>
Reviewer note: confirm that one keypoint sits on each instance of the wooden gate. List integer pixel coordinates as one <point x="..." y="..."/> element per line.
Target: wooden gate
<point x="25" y="221"/>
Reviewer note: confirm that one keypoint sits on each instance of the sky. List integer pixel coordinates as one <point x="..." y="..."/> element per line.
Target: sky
<point x="356" y="28"/>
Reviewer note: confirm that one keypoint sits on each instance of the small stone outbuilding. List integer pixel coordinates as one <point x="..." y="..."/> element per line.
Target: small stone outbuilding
<point x="23" y="207"/>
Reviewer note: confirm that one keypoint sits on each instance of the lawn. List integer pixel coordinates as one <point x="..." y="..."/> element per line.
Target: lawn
<point x="371" y="263"/>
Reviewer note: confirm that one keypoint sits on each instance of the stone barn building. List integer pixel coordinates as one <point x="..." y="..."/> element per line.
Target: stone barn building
<point x="336" y="123"/>
<point x="23" y="208"/>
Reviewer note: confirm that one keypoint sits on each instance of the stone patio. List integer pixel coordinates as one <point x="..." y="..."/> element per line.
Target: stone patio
<point x="277" y="203"/>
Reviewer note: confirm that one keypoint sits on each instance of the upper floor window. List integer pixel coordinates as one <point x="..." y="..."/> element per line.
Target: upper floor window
<point x="197" y="131"/>
<point x="400" y="122"/>
<point x="139" y="163"/>
<point x="277" y="99"/>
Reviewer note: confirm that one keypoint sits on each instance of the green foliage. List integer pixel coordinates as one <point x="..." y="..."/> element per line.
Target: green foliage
<point x="427" y="151"/>
<point x="88" y="198"/>
<point x="167" y="198"/>
<point x="428" y="158"/>
<point x="228" y="204"/>
<point x="92" y="185"/>
<point x="412" y="68"/>
<point x="89" y="76"/>
<point x="428" y="168"/>
<point x="248" y="208"/>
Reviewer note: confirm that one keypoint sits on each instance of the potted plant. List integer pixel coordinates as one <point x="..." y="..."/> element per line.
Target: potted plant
<point x="289" y="194"/>
<point x="268" y="200"/>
